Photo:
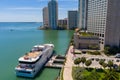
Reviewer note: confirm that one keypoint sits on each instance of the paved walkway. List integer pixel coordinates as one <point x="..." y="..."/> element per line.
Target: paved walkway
<point x="67" y="73"/>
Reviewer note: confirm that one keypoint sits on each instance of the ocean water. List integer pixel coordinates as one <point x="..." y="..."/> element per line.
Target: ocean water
<point x="18" y="38"/>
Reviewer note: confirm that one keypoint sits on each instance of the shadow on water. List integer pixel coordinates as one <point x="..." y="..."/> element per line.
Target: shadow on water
<point x="39" y="73"/>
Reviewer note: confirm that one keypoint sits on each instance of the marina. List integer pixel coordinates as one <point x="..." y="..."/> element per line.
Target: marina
<point x="22" y="39"/>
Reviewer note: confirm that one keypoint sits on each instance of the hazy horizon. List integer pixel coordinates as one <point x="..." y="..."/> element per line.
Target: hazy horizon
<point x="31" y="10"/>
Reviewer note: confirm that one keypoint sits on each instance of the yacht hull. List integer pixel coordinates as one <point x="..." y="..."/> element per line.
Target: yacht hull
<point x="38" y="65"/>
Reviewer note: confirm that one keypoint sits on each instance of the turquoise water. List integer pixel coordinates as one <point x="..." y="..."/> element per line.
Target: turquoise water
<point x="18" y="38"/>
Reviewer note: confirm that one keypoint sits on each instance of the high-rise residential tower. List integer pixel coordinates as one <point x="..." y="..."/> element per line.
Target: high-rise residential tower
<point x="63" y="23"/>
<point x="82" y="14"/>
<point x="45" y="17"/>
<point x="72" y="19"/>
<point x="53" y="14"/>
<point x="104" y="20"/>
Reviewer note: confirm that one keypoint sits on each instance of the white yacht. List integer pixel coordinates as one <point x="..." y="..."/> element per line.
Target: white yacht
<point x="31" y="63"/>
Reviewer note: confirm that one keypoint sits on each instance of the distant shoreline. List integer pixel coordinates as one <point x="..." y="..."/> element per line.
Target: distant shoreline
<point x="46" y="28"/>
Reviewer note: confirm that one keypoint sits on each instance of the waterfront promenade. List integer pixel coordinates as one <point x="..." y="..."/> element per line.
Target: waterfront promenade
<point x="67" y="73"/>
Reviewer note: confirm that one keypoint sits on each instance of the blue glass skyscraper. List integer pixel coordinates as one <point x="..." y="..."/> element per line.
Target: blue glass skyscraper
<point x="53" y="14"/>
<point x="82" y="14"/>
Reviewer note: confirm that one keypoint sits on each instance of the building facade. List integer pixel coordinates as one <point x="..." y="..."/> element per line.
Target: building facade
<point x="62" y="23"/>
<point x="82" y="14"/>
<point x="72" y="19"/>
<point x="53" y="14"/>
<point x="86" y="42"/>
<point x="104" y="20"/>
<point x="45" y="17"/>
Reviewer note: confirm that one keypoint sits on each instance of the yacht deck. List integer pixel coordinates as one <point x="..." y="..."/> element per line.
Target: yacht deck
<point x="32" y="54"/>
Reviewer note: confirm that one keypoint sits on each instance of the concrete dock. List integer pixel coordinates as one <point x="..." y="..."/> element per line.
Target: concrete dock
<point x="56" y="61"/>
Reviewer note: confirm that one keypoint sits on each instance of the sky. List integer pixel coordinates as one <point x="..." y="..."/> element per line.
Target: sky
<point x="31" y="10"/>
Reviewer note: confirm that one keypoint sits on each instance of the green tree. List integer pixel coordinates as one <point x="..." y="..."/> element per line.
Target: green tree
<point x="88" y="62"/>
<point x="104" y="65"/>
<point x="106" y="49"/>
<point x="111" y="49"/>
<point x="79" y="76"/>
<point x="114" y="50"/>
<point x="83" y="60"/>
<point x="110" y="64"/>
<point x="95" y="77"/>
<point x="119" y="67"/>
<point x="111" y="75"/>
<point x="96" y="53"/>
<point x="77" y="73"/>
<point x="93" y="47"/>
<point x="101" y="61"/>
<point x="77" y="61"/>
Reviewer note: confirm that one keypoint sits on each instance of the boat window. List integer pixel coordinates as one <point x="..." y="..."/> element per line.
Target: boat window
<point x="24" y="72"/>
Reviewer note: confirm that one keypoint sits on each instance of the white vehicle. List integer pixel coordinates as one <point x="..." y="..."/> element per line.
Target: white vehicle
<point x="117" y="55"/>
<point x="31" y="63"/>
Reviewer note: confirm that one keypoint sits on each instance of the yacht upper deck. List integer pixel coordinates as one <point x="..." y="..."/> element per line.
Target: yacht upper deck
<point x="32" y="54"/>
<point x="35" y="53"/>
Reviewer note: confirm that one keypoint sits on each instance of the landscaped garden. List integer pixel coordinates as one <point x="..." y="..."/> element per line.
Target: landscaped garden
<point x="108" y="70"/>
<point x="108" y="50"/>
<point x="80" y="73"/>
<point x="93" y="53"/>
<point x="86" y="34"/>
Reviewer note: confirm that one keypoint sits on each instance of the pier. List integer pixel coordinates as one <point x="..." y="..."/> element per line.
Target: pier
<point x="56" y="61"/>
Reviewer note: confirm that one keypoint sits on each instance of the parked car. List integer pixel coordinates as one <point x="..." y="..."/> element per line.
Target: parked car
<point x="115" y="66"/>
<point x="117" y="55"/>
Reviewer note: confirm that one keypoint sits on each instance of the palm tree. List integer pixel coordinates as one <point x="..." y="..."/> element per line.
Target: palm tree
<point x="101" y="62"/>
<point x="111" y="75"/>
<point x="110" y="64"/>
<point x="119" y="67"/>
<point x="104" y="65"/>
<point x="94" y="76"/>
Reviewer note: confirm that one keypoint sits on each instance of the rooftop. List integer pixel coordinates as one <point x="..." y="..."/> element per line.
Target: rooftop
<point x="83" y="33"/>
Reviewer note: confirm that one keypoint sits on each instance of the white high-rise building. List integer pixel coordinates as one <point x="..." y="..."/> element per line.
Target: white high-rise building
<point x="104" y="20"/>
<point x="45" y="17"/>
